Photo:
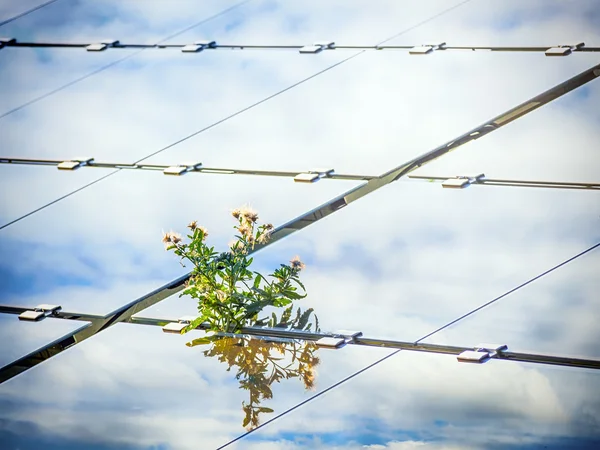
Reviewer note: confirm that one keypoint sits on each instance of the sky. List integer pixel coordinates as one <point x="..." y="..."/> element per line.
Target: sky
<point x="396" y="264"/>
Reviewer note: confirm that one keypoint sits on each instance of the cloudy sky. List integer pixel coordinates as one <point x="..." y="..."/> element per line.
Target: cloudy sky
<point x="397" y="264"/>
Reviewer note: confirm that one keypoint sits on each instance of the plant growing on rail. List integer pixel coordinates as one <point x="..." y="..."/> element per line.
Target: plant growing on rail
<point x="230" y="295"/>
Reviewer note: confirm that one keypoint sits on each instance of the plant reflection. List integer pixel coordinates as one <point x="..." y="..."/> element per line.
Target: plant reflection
<point x="259" y="364"/>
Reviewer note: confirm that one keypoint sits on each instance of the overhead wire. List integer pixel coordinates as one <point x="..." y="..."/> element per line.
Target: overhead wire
<point x="247" y="108"/>
<point x="199" y="168"/>
<point x="327" y="47"/>
<point x="388" y="356"/>
<point x="24" y="13"/>
<point x="117" y="61"/>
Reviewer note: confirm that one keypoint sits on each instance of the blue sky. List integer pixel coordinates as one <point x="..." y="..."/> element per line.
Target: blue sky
<point x="396" y="264"/>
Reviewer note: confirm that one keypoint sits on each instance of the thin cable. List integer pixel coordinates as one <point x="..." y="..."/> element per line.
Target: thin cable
<point x="364" y="369"/>
<point x="247" y="108"/>
<point x="114" y="63"/>
<point x="58" y="199"/>
<point x="87" y="76"/>
<point x="18" y="16"/>
<point x="510" y="292"/>
<point x="258" y="102"/>
<point x="423" y="22"/>
<point x="309" y="399"/>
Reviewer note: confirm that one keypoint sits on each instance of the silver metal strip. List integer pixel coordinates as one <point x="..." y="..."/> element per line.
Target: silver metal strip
<point x="518" y="183"/>
<point x="358" y="340"/>
<point x="201" y="170"/>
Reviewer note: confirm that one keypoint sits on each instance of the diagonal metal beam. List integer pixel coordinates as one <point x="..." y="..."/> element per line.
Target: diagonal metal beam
<point x="123" y="313"/>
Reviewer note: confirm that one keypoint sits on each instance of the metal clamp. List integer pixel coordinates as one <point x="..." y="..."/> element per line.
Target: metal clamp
<point x="461" y="181"/>
<point x="39" y="312"/>
<point x="4" y="41"/>
<point x="313" y="175"/>
<point x="181" y="169"/>
<point x="426" y="49"/>
<point x="318" y="47"/>
<point x="102" y="45"/>
<point x="339" y="339"/>
<point x="198" y="46"/>
<point x="482" y="353"/>
<point x="177" y="327"/>
<point x="74" y="163"/>
<point x="563" y="50"/>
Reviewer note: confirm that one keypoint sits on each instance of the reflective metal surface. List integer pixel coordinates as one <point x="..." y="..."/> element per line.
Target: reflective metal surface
<point x="19" y="338"/>
<point x="166" y="392"/>
<point x="423" y="401"/>
<point x="554" y="315"/>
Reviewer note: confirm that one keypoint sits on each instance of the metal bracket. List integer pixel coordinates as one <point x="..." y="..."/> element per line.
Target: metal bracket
<point x="4" y="41"/>
<point x="74" y="163"/>
<point x="339" y="339"/>
<point x="461" y="181"/>
<point x="198" y="46"/>
<point x="102" y="45"/>
<point x="181" y="169"/>
<point x="482" y="353"/>
<point x="318" y="47"/>
<point x="426" y="49"/>
<point x="39" y="312"/>
<point x="313" y="175"/>
<point x="563" y="50"/>
<point x="177" y="327"/>
<point x="331" y="342"/>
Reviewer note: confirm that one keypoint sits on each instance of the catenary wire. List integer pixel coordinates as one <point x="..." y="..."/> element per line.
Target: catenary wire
<point x="331" y="175"/>
<point x="118" y="61"/>
<point x="213" y="45"/>
<point x="24" y="13"/>
<point x="375" y="363"/>
<point x="304" y="80"/>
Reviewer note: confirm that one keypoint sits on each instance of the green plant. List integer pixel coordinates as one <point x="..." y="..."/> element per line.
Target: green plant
<point x="230" y="296"/>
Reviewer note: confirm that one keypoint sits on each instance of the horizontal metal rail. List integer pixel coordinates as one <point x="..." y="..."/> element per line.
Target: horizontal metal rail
<point x="124" y="312"/>
<point x="515" y="183"/>
<point x="282" y="333"/>
<point x="190" y="169"/>
<point x="215" y="46"/>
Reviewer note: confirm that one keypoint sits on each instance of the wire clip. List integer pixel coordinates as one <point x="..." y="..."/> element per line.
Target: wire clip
<point x="426" y="49"/>
<point x="177" y="327"/>
<point x="198" y="46"/>
<point x="4" y="41"/>
<point x="563" y="50"/>
<point x="313" y="175"/>
<point x="75" y="163"/>
<point x="39" y="312"/>
<point x="482" y="353"/>
<point x="182" y="168"/>
<point x="318" y="47"/>
<point x="339" y="339"/>
<point x="461" y="182"/>
<point x="100" y="46"/>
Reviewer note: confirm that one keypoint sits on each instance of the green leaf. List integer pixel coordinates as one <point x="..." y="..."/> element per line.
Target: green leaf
<point x="256" y="284"/>
<point x="285" y="317"/>
<point x="265" y="410"/>
<point x="304" y="318"/>
<point x="202" y="341"/>
<point x="247" y="418"/>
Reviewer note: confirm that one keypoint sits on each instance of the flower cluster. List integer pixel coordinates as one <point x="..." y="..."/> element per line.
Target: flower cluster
<point x="230" y="295"/>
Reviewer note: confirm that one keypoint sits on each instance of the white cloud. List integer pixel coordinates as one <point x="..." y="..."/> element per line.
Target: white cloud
<point x="396" y="264"/>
